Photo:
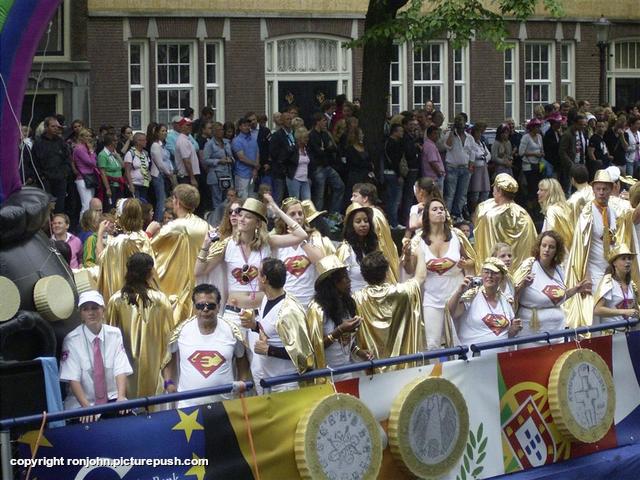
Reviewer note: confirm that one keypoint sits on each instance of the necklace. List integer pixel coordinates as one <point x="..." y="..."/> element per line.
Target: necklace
<point x="559" y="281"/>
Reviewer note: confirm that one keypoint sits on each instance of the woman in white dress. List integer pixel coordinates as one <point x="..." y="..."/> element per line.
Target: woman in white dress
<point x="616" y="298"/>
<point x="540" y="287"/>
<point x="483" y="313"/>
<point x="359" y="239"/>
<point x="446" y="262"/>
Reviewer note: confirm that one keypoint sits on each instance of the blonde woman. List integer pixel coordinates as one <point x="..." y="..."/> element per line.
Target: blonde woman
<point x="557" y="212"/>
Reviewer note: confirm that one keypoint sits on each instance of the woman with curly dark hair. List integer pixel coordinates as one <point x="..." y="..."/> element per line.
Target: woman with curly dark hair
<point x="331" y="317"/>
<point x="540" y="289"/>
<point x="145" y="317"/>
<point x="359" y="239"/>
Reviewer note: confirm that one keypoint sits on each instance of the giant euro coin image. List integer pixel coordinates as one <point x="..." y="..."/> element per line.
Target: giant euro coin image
<point x="428" y="427"/>
<point x="582" y="396"/>
<point x="337" y="438"/>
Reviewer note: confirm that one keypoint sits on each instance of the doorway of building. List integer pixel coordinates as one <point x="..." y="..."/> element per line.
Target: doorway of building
<point x="45" y="106"/>
<point x="627" y="92"/>
<point x="306" y="95"/>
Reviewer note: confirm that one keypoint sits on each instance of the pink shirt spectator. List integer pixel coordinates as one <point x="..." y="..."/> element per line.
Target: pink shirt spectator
<point x="84" y="160"/>
<point x="431" y="160"/>
<point x="75" y="244"/>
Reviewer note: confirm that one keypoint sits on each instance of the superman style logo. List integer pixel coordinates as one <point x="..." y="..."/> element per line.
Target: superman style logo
<point x="554" y="292"/>
<point x="624" y="304"/>
<point x="245" y="278"/>
<point x="496" y="323"/>
<point x="440" y="265"/>
<point x="206" y="361"/>
<point x="297" y="265"/>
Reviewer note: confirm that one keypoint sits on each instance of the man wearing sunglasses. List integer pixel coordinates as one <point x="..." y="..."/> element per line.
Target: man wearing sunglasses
<point x="205" y="351"/>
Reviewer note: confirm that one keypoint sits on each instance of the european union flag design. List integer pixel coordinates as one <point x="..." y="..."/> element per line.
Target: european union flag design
<point x="152" y="446"/>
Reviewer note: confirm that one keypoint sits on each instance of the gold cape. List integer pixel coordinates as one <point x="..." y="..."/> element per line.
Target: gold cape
<point x="508" y="223"/>
<point x="176" y="247"/>
<point x="579" y="308"/>
<point x="291" y="325"/>
<point x="323" y="243"/>
<point x="315" y="327"/>
<point x="578" y="200"/>
<point x="146" y="332"/>
<point x="113" y="260"/>
<point x="619" y="205"/>
<point x="392" y="320"/>
<point x="626" y="233"/>
<point x="605" y="286"/>
<point x="559" y="217"/>
<point x="386" y="243"/>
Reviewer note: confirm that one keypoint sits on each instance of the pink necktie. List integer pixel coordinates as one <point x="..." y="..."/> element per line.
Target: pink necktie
<point x="99" y="380"/>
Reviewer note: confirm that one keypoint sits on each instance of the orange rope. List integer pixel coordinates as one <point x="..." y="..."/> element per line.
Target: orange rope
<point x="250" y="435"/>
<point x="35" y="450"/>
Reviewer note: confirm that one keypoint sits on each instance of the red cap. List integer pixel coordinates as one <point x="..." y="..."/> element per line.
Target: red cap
<point x="184" y="121"/>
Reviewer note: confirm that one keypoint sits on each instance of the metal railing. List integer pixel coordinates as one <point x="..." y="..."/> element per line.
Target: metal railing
<point x="461" y="351"/>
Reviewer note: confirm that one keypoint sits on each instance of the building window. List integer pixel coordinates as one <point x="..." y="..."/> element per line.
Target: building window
<point x="460" y="80"/>
<point x="214" y="79"/>
<point x="511" y="82"/>
<point x="567" y="62"/>
<point x="627" y="55"/>
<point x="54" y="44"/>
<point x="428" y="75"/>
<point x="538" y="77"/>
<point x="397" y="73"/>
<point x="138" y="85"/>
<point x="175" y="79"/>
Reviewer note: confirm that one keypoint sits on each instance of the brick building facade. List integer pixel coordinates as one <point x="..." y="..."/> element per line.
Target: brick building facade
<point x="133" y="64"/>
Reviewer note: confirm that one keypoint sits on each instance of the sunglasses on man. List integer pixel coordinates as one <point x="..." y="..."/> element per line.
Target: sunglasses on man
<point x="207" y="305"/>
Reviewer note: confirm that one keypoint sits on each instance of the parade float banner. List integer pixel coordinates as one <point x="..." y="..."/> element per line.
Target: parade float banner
<point x="511" y="427"/>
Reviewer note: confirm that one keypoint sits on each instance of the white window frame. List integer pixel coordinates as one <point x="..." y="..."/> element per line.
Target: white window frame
<point x="343" y="76"/>
<point x="399" y="84"/>
<point x="66" y="38"/>
<point x="568" y="82"/>
<point x="614" y="73"/>
<point x="463" y="81"/>
<point x="143" y="86"/>
<point x="192" y="86"/>
<point x="442" y="83"/>
<point x="549" y="82"/>
<point x="513" y="83"/>
<point x="217" y="86"/>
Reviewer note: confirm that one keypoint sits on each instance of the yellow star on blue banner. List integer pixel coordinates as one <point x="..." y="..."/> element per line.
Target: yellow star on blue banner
<point x="31" y="438"/>
<point x="188" y="423"/>
<point x="197" y="470"/>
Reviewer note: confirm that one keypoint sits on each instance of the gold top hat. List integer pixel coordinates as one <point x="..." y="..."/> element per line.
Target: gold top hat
<point x="506" y="182"/>
<point x="619" y="249"/>
<point x="634" y="194"/>
<point x="356" y="206"/>
<point x="256" y="207"/>
<point x="494" y="264"/>
<point x="310" y="212"/>
<point x="327" y="265"/>
<point x="628" y="180"/>
<point x="602" y="176"/>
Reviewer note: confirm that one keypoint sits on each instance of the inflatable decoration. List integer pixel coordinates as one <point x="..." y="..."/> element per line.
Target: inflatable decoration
<point x="338" y="438"/>
<point x="582" y="397"/>
<point x="26" y="256"/>
<point x="428" y="427"/>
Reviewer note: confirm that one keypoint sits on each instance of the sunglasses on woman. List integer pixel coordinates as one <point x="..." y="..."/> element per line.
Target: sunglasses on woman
<point x="245" y="274"/>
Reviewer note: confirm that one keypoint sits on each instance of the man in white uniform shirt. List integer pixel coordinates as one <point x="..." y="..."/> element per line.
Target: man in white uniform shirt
<point x="93" y="361"/>
<point x="205" y="351"/>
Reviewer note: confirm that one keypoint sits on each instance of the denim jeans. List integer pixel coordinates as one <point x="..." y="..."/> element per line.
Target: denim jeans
<point x="321" y="177"/>
<point x="141" y="192"/>
<point x="456" y="187"/>
<point x="394" y="184"/>
<point x="298" y="189"/>
<point x="278" y="187"/>
<point x="161" y="196"/>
